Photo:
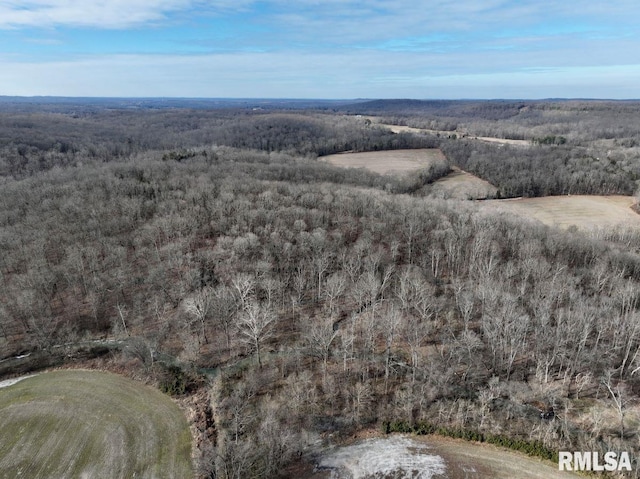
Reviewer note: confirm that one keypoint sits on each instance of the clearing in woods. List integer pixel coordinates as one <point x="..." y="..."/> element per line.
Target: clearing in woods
<point x="388" y="162"/>
<point x="427" y="457"/>
<point x="462" y="185"/>
<point x="582" y="211"/>
<point x="458" y="184"/>
<point x="79" y="423"/>
<point x="445" y="133"/>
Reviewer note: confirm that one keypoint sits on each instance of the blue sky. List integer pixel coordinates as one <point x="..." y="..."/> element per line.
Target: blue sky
<point x="321" y="48"/>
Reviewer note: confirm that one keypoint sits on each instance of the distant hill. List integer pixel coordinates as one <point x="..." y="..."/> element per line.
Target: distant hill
<point x="66" y="104"/>
<point x="468" y="109"/>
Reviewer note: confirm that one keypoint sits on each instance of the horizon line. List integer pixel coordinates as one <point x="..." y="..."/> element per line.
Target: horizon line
<point x="327" y="99"/>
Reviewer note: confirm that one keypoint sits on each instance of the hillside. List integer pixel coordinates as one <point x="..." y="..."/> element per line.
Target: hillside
<point x="291" y="303"/>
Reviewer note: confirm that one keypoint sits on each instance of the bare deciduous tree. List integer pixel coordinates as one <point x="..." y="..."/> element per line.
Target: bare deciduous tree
<point x="319" y="334"/>
<point x="244" y="287"/>
<point x="223" y="309"/>
<point x="619" y="395"/>
<point x="255" y="324"/>
<point x="334" y="288"/>
<point x="198" y="305"/>
<point x="360" y="396"/>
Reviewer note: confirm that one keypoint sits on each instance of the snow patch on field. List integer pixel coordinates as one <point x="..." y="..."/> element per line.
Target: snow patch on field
<point x="10" y="382"/>
<point x="394" y="457"/>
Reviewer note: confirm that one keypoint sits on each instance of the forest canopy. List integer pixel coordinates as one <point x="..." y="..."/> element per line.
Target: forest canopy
<point x="328" y="300"/>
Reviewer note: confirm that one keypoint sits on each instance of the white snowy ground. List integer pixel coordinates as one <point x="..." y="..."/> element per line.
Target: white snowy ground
<point x="10" y="382"/>
<point x="395" y="457"/>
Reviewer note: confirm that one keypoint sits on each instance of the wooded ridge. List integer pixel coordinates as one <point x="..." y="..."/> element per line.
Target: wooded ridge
<point x="326" y="300"/>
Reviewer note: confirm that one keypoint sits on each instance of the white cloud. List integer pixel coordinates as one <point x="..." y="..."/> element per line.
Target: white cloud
<point x="308" y="75"/>
<point x="325" y="48"/>
<point x="373" y="16"/>
<point x="101" y="14"/>
<point x="348" y="22"/>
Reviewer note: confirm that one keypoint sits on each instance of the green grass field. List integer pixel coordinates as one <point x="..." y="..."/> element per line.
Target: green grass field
<point x="88" y="424"/>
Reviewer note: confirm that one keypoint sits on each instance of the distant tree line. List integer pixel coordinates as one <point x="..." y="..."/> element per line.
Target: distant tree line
<point x="33" y="142"/>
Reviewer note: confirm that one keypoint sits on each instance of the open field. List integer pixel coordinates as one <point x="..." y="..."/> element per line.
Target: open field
<point x="90" y="424"/>
<point x="415" y="457"/>
<point x="392" y="162"/>
<point x="501" y="141"/>
<point x="584" y="212"/>
<point x="462" y="185"/>
<point x="472" y="460"/>
<point x="409" y="129"/>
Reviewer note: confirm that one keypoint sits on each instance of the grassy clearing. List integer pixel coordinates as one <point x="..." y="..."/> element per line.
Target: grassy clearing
<point x="410" y="457"/>
<point x="443" y="133"/>
<point x="462" y="185"/>
<point x="485" y="461"/>
<point x="458" y="184"/>
<point x="583" y="212"/>
<point x="391" y="162"/>
<point x="91" y="424"/>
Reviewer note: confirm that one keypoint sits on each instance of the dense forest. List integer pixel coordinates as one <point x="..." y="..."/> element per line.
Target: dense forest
<point x="326" y="300"/>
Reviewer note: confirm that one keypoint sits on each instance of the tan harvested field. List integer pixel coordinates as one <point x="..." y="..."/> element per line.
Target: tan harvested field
<point x="584" y="212"/>
<point x="409" y="129"/>
<point x="462" y="185"/>
<point x="501" y="141"/>
<point x="485" y="461"/>
<point x="76" y="424"/>
<point x="390" y="162"/>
